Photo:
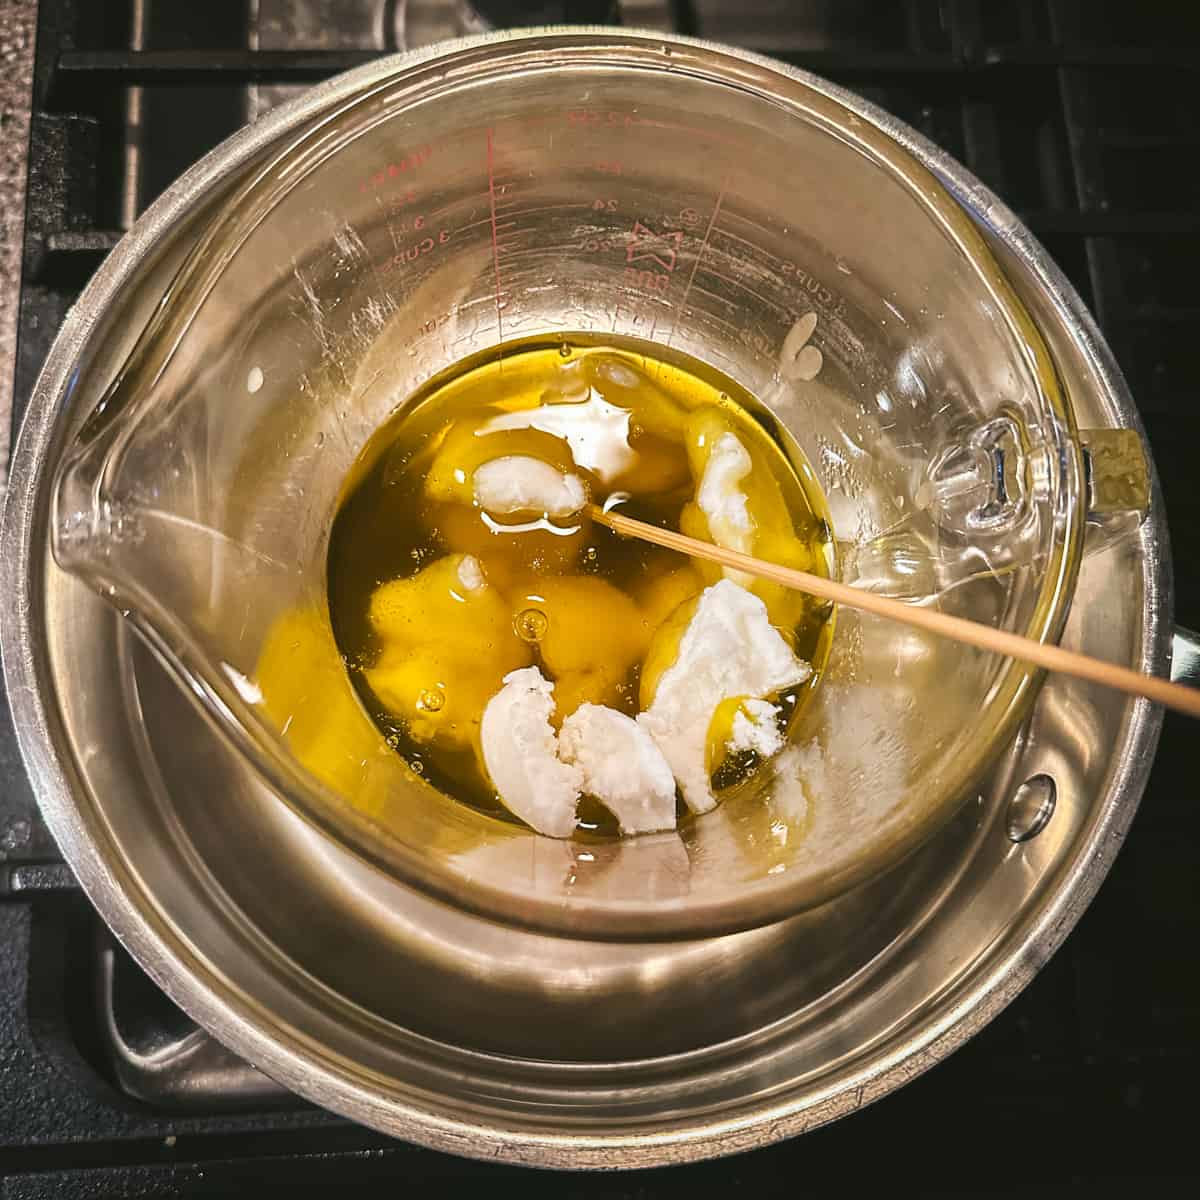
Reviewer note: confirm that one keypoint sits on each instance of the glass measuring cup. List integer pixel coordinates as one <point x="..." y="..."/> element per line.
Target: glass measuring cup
<point x="602" y="183"/>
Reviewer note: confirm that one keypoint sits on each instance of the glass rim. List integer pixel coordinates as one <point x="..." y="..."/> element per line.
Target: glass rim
<point x="479" y="61"/>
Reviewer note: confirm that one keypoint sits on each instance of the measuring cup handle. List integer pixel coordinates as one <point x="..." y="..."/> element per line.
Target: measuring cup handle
<point x="980" y="483"/>
<point x="976" y="483"/>
<point x="1116" y="476"/>
<point x="1185" y="656"/>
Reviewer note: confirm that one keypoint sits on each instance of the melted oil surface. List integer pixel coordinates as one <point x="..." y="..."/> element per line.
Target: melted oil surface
<point x="593" y="611"/>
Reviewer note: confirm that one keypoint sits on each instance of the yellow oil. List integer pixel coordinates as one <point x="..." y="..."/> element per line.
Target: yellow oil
<point x="569" y="596"/>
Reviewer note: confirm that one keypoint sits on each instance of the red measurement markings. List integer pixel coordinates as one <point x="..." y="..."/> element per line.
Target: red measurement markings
<point x="413" y="225"/>
<point x="409" y="254"/>
<point x="651" y="257"/>
<point x="708" y="230"/>
<point x="647" y="246"/>
<point x="591" y="118"/>
<point x="392" y="171"/>
<point x="491" y="171"/>
<point x="470" y="225"/>
<point x="516" y="214"/>
<point x="649" y="281"/>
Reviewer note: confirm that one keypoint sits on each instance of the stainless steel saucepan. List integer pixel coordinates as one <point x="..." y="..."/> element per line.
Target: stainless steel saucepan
<point x="978" y="447"/>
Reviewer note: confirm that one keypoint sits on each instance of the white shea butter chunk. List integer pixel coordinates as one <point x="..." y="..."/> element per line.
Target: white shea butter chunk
<point x="519" y="483"/>
<point x="756" y="727"/>
<point x="722" y="500"/>
<point x="622" y="767"/>
<point x="596" y="431"/>
<point x="729" y="649"/>
<point x="521" y="756"/>
<point x="470" y="574"/>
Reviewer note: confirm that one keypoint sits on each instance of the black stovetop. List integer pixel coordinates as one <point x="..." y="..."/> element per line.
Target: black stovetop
<point x="1084" y="117"/>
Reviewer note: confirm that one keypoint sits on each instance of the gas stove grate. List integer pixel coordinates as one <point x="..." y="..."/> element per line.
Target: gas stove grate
<point x="1083" y="117"/>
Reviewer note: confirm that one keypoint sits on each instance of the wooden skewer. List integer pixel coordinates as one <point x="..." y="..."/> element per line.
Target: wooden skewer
<point x="973" y="633"/>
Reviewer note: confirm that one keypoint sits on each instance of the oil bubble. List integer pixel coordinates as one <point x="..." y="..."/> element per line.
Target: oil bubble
<point x="531" y="625"/>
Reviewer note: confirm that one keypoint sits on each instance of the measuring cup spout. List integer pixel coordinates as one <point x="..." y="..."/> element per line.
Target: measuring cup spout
<point x="94" y="526"/>
<point x="143" y="513"/>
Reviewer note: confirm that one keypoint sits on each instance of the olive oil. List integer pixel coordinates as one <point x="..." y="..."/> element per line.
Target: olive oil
<point x="433" y="599"/>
